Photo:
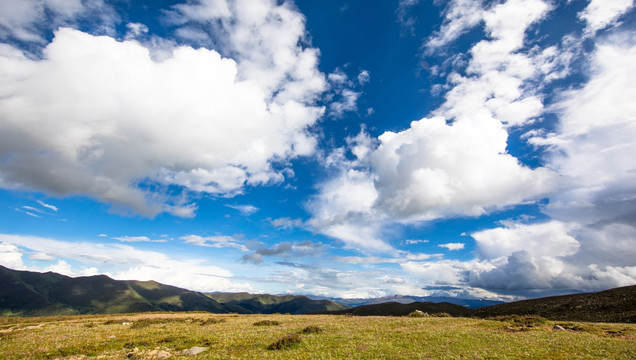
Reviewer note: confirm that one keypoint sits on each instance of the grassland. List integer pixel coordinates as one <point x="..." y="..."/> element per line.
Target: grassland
<point x="227" y="336"/>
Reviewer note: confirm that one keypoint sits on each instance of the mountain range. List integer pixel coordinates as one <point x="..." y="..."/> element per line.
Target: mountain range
<point x="26" y="293"/>
<point x="408" y="299"/>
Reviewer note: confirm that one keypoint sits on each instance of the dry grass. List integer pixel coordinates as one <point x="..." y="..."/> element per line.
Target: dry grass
<point x="343" y="337"/>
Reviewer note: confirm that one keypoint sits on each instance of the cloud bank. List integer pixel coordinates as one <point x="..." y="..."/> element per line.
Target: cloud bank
<point x="103" y="118"/>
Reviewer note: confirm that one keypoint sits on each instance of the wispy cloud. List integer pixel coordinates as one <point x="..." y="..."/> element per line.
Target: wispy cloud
<point x="48" y="206"/>
<point x="137" y="239"/>
<point x="285" y="249"/>
<point x="219" y="241"/>
<point x="244" y="209"/>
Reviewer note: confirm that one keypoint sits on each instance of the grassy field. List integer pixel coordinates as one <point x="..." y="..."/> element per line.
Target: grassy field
<point x="176" y="335"/>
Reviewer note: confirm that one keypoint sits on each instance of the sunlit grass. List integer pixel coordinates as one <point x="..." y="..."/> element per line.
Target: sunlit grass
<point x="235" y="336"/>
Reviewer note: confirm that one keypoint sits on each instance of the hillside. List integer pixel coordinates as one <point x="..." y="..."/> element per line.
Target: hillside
<point x="270" y="304"/>
<point x="25" y="293"/>
<point x="398" y="309"/>
<point x="614" y="305"/>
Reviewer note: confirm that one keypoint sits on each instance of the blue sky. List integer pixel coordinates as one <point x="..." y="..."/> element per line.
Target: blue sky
<point x="480" y="149"/>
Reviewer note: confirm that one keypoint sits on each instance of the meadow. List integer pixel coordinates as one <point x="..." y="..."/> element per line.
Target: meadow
<point x="229" y="336"/>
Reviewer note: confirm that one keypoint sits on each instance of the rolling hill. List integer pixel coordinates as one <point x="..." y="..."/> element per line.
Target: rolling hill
<point x="25" y="293"/>
<point x="271" y="304"/>
<point x="398" y="309"/>
<point x="614" y="305"/>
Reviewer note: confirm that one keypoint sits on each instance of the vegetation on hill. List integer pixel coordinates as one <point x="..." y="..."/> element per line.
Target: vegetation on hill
<point x="25" y="293"/>
<point x="614" y="305"/>
<point x="398" y="309"/>
<point x="271" y="304"/>
<point x="227" y="336"/>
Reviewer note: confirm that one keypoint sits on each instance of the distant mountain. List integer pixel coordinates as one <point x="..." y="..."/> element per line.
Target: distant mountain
<point x="614" y="305"/>
<point x="270" y="304"/>
<point x="398" y="309"/>
<point x="26" y="293"/>
<point x="404" y="299"/>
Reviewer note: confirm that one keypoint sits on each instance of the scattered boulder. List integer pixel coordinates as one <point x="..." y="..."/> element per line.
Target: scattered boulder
<point x="558" y="327"/>
<point x="194" y="351"/>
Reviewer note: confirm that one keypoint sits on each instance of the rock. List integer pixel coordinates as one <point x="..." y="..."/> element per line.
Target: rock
<point x="558" y="327"/>
<point x="194" y="350"/>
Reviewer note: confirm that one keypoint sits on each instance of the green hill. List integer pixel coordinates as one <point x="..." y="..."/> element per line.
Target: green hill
<point x="25" y="293"/>
<point x="270" y="304"/>
<point x="614" y="305"/>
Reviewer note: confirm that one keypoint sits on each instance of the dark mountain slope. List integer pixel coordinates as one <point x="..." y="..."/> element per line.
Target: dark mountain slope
<point x="614" y="305"/>
<point x="26" y="293"/>
<point x="398" y="309"/>
<point x="269" y="304"/>
<point x="32" y="293"/>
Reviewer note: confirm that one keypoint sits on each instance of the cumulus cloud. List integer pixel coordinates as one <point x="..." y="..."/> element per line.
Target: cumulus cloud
<point x="593" y="144"/>
<point x="124" y="262"/>
<point x="542" y="239"/>
<point x="11" y="256"/>
<point x="24" y="20"/>
<point x="554" y="256"/>
<point x="435" y="170"/>
<point x="196" y="119"/>
<point x="600" y="14"/>
<point x="455" y="162"/>
<point x="452" y="246"/>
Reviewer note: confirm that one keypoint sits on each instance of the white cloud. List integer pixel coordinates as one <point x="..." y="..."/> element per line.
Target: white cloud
<point x="435" y="170"/>
<point x="127" y="118"/>
<point x="593" y="146"/>
<point x="124" y="262"/>
<point x="542" y="239"/>
<point x="11" y="256"/>
<point x="413" y="241"/>
<point x="24" y="19"/>
<point x="136" y="239"/>
<point x="64" y="268"/>
<point x="554" y="255"/>
<point x="244" y="209"/>
<point x="455" y="162"/>
<point x="460" y="16"/>
<point x="405" y="15"/>
<point x="452" y="246"/>
<point x="599" y="14"/>
<point x="364" y="77"/>
<point x="213" y="241"/>
<point x="343" y="209"/>
<point x="286" y="223"/>
<point x="41" y="257"/>
<point x="48" y="206"/>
